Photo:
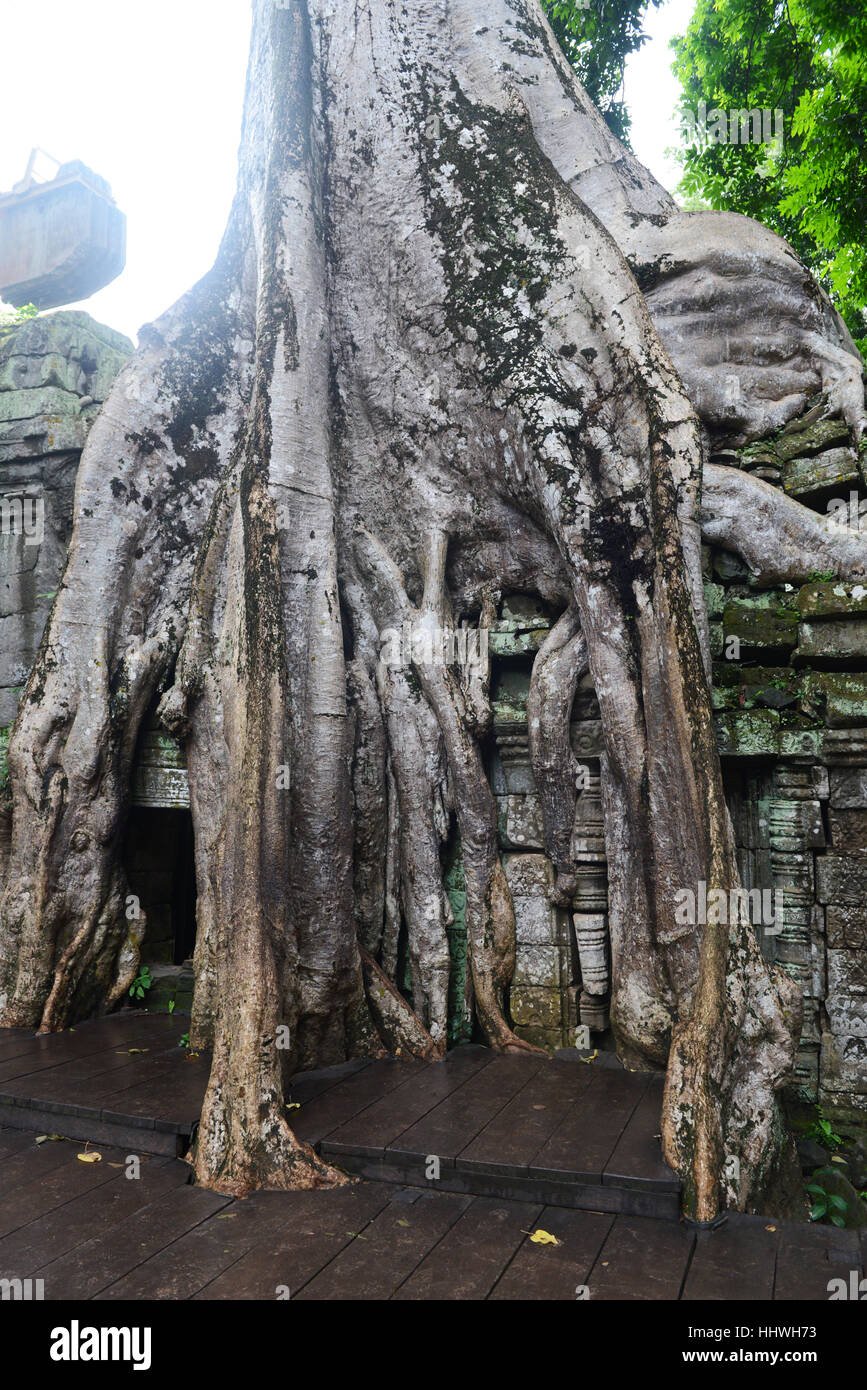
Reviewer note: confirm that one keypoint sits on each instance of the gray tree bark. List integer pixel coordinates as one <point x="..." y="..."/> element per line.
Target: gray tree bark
<point x="456" y="340"/>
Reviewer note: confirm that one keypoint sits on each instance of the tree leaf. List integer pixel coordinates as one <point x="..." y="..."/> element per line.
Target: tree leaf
<point x="541" y="1237"/>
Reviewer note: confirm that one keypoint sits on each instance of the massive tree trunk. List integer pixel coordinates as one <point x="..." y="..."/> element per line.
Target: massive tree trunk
<point x="422" y="370"/>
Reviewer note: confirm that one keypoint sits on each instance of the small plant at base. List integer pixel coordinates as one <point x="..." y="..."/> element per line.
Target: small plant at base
<point x="821" y="1132"/>
<point x="824" y="1203"/>
<point x="184" y="1040"/>
<point x="142" y="983"/>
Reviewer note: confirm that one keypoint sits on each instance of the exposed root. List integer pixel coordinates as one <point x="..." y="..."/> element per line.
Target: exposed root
<point x="398" y="1026"/>
<point x="489" y="911"/>
<point x="779" y="539"/>
<point x="560" y="663"/>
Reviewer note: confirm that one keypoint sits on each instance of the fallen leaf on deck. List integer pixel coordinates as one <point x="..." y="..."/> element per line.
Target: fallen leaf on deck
<point x="90" y="1158"/>
<point x="542" y="1238"/>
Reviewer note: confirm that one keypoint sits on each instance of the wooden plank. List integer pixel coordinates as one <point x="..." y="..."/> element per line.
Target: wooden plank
<point x="12" y="1141"/>
<point x="87" y="1215"/>
<point x="516" y="1133"/>
<point x="91" y="1267"/>
<point x="642" y="1259"/>
<point x="471" y="1256"/>
<point x="56" y="1049"/>
<point x="809" y="1257"/>
<point x="31" y="1161"/>
<point x="371" y="1131"/>
<point x="49" y="1190"/>
<point x="447" y="1129"/>
<point x="377" y="1262"/>
<point x="734" y="1261"/>
<point x="181" y="1268"/>
<point x="636" y="1160"/>
<point x="327" y="1112"/>
<point x="305" y="1086"/>
<point x="309" y="1229"/>
<point x="555" y="1271"/>
<point x="174" y="1096"/>
<point x="583" y="1142"/>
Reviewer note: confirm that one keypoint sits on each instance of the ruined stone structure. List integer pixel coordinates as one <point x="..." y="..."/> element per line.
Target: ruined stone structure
<point x="790" y="690"/>
<point x="55" y="372"/>
<point x="60" y="241"/>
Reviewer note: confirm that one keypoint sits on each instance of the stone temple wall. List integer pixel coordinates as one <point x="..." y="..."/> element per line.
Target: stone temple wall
<point x="55" y="372"/>
<point x="789" y="690"/>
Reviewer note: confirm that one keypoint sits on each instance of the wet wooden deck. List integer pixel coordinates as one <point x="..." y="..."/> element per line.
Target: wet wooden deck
<point x="526" y="1128"/>
<point x="520" y="1143"/>
<point x="90" y="1232"/>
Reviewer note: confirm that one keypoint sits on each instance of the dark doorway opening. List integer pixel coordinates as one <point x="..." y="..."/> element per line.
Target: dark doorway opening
<point x="160" y="867"/>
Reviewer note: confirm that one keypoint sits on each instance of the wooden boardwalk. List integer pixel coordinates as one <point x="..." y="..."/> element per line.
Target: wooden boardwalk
<point x="459" y="1163"/>
<point x="90" y="1232"/>
<point x="517" y="1127"/>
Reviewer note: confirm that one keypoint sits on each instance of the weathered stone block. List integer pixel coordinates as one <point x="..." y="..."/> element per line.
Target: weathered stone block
<point x="549" y="1038"/>
<point x="520" y="822"/>
<point x="846" y="926"/>
<point x="843" y="1065"/>
<point x="846" y="1001"/>
<point x="536" y="923"/>
<point x="838" y="641"/>
<point x="837" y="697"/>
<point x="832" y="599"/>
<point x="529" y="875"/>
<point x="511" y="643"/>
<point x="835" y="467"/>
<point x="533" y="1007"/>
<point x="848" y="787"/>
<point x="758" y="624"/>
<point x="512" y="776"/>
<point x="748" y="733"/>
<point x="848" y="830"/>
<point x="841" y="879"/>
<point x="798" y="441"/>
<point x="538" y="965"/>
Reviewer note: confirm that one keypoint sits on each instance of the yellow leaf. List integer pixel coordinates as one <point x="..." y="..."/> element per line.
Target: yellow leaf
<point x="42" y="1138"/>
<point x="770" y="1228"/>
<point x="544" y="1238"/>
<point x="90" y="1158"/>
<point x="591" y="1058"/>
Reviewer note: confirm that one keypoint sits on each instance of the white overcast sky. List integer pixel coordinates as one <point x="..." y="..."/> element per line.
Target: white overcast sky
<point x="149" y="95"/>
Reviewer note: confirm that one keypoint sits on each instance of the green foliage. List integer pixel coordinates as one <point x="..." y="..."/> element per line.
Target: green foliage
<point x="142" y="983"/>
<point x="597" y="36"/>
<point x="808" y="59"/>
<point x="826" y="1204"/>
<point x="13" y="318"/>
<point x="184" y="1040"/>
<point x="821" y="1132"/>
